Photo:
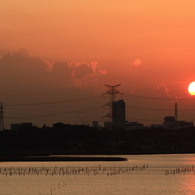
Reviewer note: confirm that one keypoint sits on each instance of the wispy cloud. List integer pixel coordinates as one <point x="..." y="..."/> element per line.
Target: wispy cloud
<point x="162" y="91"/>
<point x="136" y="62"/>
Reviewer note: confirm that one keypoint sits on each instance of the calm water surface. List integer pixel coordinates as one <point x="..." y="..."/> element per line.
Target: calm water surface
<point x="141" y="174"/>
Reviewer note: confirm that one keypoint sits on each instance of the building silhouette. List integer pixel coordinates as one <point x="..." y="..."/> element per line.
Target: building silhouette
<point x="170" y="122"/>
<point x="118" y="113"/>
<point x="17" y="126"/>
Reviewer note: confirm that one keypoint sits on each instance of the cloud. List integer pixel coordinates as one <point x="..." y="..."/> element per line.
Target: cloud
<point x="22" y="72"/>
<point x="81" y="71"/>
<point x="85" y="74"/>
<point x="162" y="91"/>
<point x="103" y="72"/>
<point x="60" y="74"/>
<point x="22" y="53"/>
<point x="161" y="88"/>
<point x="136" y="62"/>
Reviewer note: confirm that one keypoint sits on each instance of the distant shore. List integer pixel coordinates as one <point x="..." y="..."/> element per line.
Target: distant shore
<point x="58" y="158"/>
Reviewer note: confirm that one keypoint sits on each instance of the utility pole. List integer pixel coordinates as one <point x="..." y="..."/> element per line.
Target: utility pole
<point x="1" y="118"/>
<point x="176" y="116"/>
<point x="112" y="92"/>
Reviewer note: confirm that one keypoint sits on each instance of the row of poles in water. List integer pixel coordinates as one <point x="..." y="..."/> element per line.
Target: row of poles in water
<point x="180" y="170"/>
<point x="97" y="170"/>
<point x="52" y="171"/>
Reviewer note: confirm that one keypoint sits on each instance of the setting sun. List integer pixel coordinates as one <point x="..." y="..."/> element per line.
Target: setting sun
<point x="191" y="88"/>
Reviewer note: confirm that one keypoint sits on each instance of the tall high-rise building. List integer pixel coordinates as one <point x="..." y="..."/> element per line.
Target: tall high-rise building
<point x="118" y="113"/>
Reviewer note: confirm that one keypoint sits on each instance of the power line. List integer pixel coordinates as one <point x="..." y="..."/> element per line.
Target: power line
<point x="92" y="109"/>
<point x="157" y="98"/>
<point x="47" y="103"/>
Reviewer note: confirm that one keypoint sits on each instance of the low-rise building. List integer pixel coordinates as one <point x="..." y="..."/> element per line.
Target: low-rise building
<point x="171" y="123"/>
<point x="15" y="127"/>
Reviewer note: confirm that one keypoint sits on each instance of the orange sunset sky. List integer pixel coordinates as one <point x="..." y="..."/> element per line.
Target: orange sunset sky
<point x="56" y="56"/>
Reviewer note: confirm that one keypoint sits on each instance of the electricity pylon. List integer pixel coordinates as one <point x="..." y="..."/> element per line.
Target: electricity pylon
<point x="112" y="92"/>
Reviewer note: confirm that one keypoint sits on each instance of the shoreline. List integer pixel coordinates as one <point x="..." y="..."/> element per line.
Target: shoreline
<point x="58" y="158"/>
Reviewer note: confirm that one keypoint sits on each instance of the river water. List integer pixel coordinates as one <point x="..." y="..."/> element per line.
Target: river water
<point x="141" y="174"/>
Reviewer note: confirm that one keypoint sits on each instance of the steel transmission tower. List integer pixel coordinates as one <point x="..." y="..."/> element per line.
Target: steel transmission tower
<point x="1" y="118"/>
<point x="112" y="93"/>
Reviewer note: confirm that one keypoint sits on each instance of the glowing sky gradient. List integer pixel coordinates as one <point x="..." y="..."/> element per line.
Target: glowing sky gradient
<point x="71" y="48"/>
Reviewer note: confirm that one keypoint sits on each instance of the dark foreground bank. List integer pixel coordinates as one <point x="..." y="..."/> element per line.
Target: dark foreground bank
<point x="58" y="158"/>
<point x="72" y="140"/>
